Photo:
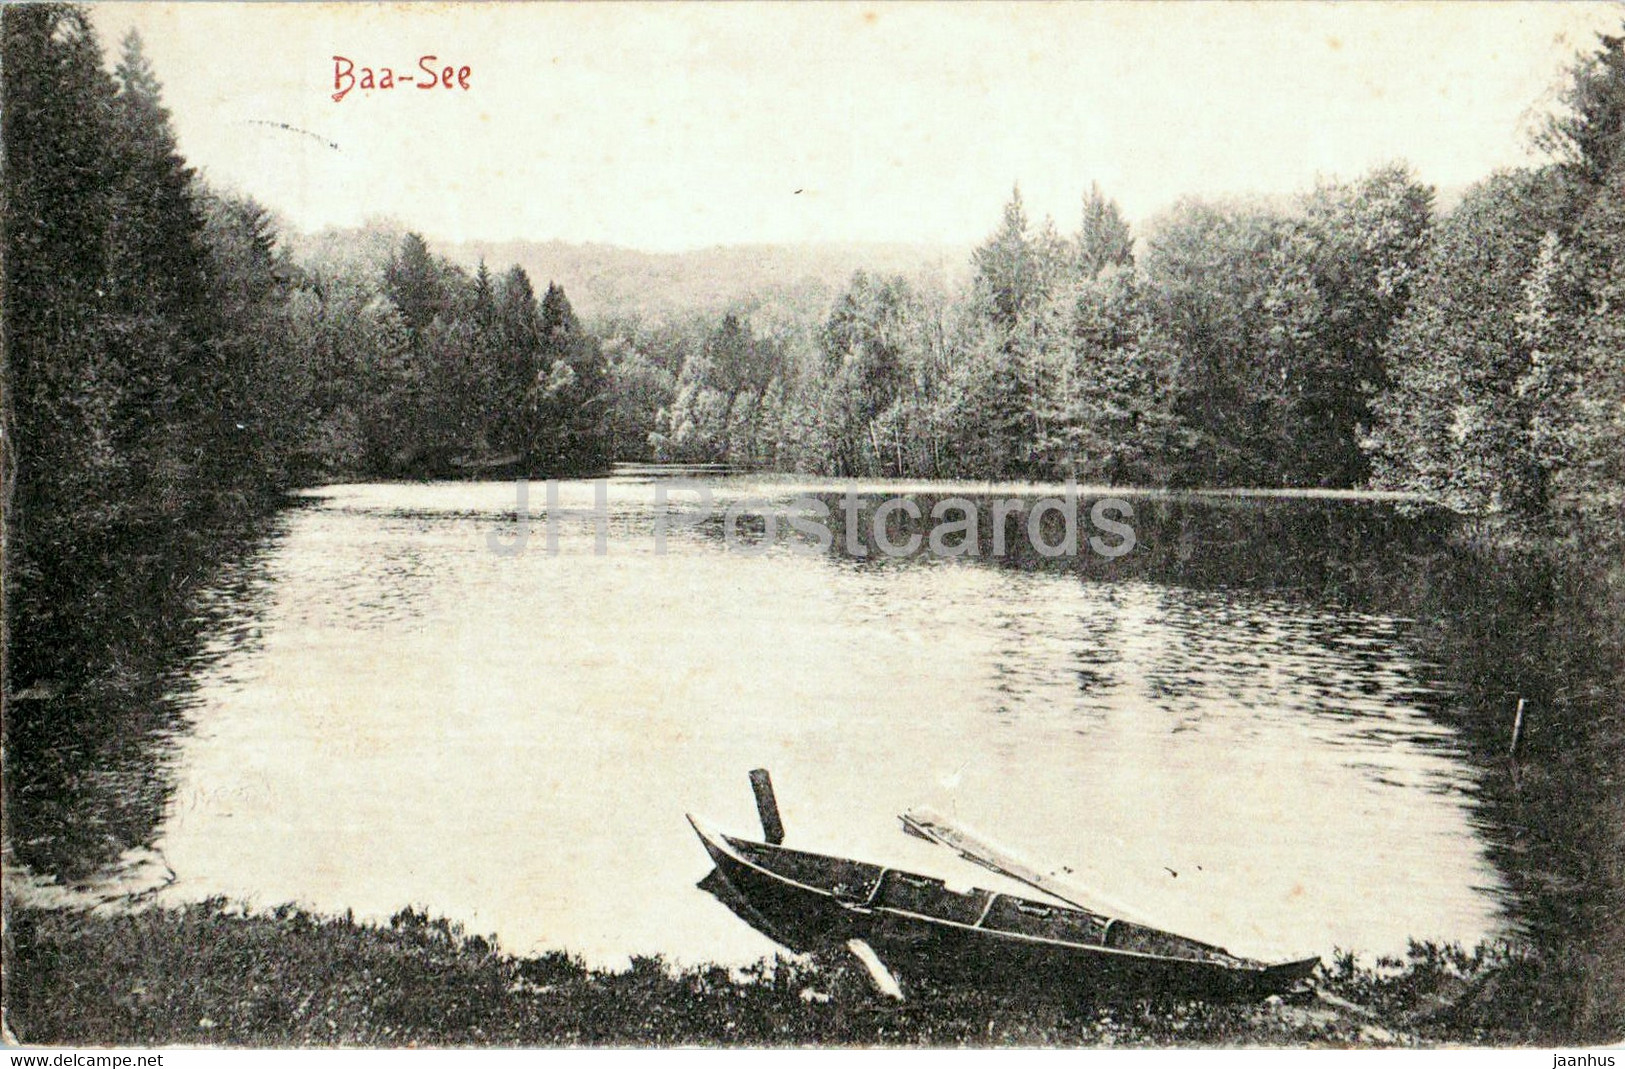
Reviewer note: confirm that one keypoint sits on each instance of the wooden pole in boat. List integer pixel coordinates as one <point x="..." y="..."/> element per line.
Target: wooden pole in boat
<point x="1517" y="729"/>
<point x="767" y="807"/>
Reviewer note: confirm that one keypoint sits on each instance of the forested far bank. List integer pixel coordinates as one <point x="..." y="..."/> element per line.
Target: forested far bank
<point x="171" y="367"/>
<point x="173" y="359"/>
<point x="1352" y="337"/>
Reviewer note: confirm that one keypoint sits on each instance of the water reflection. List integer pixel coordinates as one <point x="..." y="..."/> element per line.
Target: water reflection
<point x="511" y="740"/>
<point x="88" y="763"/>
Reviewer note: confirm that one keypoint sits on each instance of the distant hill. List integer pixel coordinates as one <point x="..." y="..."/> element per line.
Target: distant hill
<point x="777" y="285"/>
<point x="608" y="280"/>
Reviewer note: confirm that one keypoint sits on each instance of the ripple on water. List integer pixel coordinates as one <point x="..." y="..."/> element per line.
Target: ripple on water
<point x="511" y="741"/>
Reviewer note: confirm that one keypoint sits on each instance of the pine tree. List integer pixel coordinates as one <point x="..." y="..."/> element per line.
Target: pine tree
<point x="1104" y="240"/>
<point x="64" y="472"/>
<point x="485" y="304"/>
<point x="159" y="266"/>
<point x="414" y="282"/>
<point x="1585" y="413"/>
<point x="1010" y="272"/>
<point x="731" y="352"/>
<point x="158" y="282"/>
<point x="1451" y="424"/>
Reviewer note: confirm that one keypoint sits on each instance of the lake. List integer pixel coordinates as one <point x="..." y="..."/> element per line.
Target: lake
<point x="1213" y="728"/>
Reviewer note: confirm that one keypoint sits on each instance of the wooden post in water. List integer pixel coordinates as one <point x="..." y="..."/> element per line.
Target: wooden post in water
<point x="767" y="807"/>
<point x="1517" y="729"/>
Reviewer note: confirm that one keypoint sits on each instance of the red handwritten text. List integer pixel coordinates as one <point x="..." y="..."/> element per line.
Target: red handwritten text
<point x="430" y="74"/>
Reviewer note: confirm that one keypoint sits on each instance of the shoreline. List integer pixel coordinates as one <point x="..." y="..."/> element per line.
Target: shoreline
<point x="212" y="974"/>
<point x="1487" y="996"/>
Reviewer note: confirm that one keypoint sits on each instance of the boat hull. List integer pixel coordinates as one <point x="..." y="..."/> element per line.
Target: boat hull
<point x="805" y="917"/>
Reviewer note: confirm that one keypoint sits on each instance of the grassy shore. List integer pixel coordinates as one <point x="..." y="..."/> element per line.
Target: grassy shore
<point x="208" y="974"/>
<point x="1508" y="617"/>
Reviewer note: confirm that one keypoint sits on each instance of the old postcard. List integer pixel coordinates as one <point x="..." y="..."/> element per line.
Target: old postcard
<point x="783" y="525"/>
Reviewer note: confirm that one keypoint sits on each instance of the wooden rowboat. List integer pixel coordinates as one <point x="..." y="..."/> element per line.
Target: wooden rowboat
<point x="921" y="927"/>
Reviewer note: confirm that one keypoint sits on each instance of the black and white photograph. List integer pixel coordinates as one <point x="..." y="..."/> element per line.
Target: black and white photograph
<point x="812" y="525"/>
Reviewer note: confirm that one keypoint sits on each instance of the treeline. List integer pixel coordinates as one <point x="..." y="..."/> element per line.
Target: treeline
<point x="410" y="366"/>
<point x="1354" y="336"/>
<point x="1237" y="344"/>
<point x="1508" y="369"/>
<point x="171" y="361"/>
<point x="170" y="369"/>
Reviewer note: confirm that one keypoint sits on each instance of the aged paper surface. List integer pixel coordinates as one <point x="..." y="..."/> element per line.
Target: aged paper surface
<point x="514" y="511"/>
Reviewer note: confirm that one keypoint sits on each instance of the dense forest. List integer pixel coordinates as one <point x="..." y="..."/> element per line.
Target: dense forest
<point x="173" y="358"/>
<point x="176" y="360"/>
<point x="1353" y="337"/>
<point x="170" y="368"/>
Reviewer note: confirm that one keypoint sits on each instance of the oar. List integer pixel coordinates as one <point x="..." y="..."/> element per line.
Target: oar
<point x="928" y="824"/>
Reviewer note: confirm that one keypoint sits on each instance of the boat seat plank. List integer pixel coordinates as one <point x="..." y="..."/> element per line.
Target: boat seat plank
<point x="1047" y="922"/>
<point x="992" y="897"/>
<point x="929" y="896"/>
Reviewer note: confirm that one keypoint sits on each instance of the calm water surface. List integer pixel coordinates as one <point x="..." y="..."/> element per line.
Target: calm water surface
<point x="512" y="741"/>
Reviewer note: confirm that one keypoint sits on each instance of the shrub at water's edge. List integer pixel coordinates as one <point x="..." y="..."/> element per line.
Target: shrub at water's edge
<point x="1540" y="619"/>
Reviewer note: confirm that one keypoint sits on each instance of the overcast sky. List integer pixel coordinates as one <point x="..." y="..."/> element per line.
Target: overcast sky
<point x="670" y="127"/>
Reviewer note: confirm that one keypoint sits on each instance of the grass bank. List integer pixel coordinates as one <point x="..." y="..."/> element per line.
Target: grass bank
<point x="208" y="974"/>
